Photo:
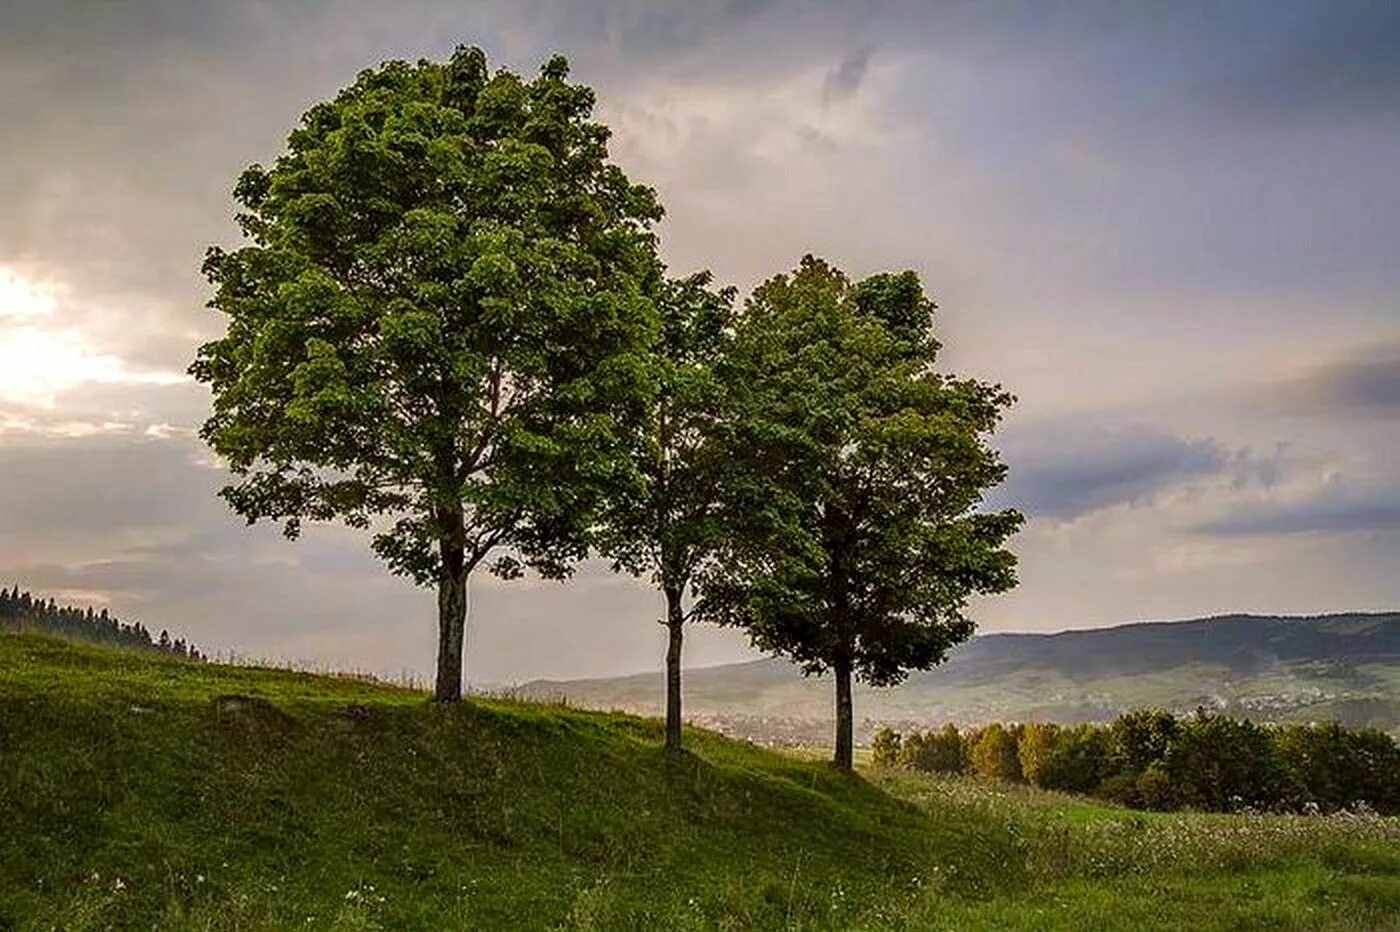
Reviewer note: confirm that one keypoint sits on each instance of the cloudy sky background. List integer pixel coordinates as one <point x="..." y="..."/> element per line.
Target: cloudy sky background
<point x="1173" y="230"/>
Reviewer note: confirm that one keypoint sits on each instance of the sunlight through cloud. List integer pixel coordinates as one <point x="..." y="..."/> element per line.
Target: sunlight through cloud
<point x="39" y="358"/>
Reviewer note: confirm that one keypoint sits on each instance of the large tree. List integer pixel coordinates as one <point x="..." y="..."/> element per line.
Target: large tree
<point x="670" y="526"/>
<point x="855" y="532"/>
<point x="438" y="326"/>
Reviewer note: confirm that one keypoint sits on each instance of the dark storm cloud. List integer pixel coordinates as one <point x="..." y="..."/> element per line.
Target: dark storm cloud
<point x="1066" y="470"/>
<point x="1341" y="506"/>
<point x="1335" y="61"/>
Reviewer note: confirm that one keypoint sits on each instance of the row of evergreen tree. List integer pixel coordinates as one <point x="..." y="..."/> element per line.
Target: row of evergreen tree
<point x="25" y="610"/>
<point x="1150" y="759"/>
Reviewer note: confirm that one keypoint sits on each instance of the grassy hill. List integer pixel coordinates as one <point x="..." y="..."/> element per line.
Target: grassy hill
<point x="140" y="792"/>
<point x="1331" y="667"/>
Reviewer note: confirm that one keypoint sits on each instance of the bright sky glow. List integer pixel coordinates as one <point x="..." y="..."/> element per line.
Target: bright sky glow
<point x="22" y="298"/>
<point x="37" y="362"/>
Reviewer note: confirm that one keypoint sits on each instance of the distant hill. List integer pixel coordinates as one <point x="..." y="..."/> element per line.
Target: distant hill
<point x="1344" y="667"/>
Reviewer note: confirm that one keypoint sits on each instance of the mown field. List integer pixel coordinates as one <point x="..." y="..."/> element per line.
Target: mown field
<point x="137" y="792"/>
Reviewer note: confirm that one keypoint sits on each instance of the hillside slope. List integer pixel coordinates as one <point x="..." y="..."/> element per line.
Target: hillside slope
<point x="1343" y="667"/>
<point x="145" y="792"/>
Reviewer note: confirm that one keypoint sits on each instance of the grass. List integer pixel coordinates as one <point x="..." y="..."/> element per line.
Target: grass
<point x="135" y="793"/>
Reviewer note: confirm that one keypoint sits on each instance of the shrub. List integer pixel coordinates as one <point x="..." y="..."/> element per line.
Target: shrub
<point x="911" y="750"/>
<point x="1154" y="789"/>
<point x="1121" y="788"/>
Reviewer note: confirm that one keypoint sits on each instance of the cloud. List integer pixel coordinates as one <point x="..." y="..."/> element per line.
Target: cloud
<point x="100" y="489"/>
<point x="1365" y="382"/>
<point x="1333" y="61"/>
<point x="845" y="79"/>
<point x="1096" y="232"/>
<point x="1065" y="470"/>
<point x="1340" y="505"/>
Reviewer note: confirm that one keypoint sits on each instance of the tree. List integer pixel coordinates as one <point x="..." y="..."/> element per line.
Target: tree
<point x="1139" y="739"/>
<point x="1036" y="749"/>
<point x="672" y="524"/>
<point x="1220" y="764"/>
<point x="1330" y="767"/>
<point x="1077" y="764"/>
<point x="854" y="479"/>
<point x="941" y="751"/>
<point x="993" y="753"/>
<point x="885" y="747"/>
<point x="437" y="328"/>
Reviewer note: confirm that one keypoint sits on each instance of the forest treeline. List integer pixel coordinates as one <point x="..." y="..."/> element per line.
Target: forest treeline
<point x="1150" y="759"/>
<point x="25" y="610"/>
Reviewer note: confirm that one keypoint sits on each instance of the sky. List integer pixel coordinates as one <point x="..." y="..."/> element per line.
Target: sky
<point x="1171" y="229"/>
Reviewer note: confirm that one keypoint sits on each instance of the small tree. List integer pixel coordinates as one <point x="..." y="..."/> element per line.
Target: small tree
<point x="855" y="477"/>
<point x="438" y="328"/>
<point x="911" y="751"/>
<point x="1036" y="749"/>
<point x="1139" y="739"/>
<point x="1220" y="764"/>
<point x="671" y="525"/>
<point x="993" y="754"/>
<point x="885" y="747"/>
<point x="939" y="751"/>
<point x="1078" y="761"/>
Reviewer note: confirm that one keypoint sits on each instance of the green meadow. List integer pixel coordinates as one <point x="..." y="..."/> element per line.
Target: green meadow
<point x="139" y="791"/>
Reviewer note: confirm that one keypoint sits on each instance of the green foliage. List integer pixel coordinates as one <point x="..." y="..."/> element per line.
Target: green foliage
<point x="1151" y="760"/>
<point x="438" y="325"/>
<point x="1330" y="767"/>
<point x="1036" y="749"/>
<point x="671" y="522"/>
<point x="1078" y="762"/>
<point x="1221" y="764"/>
<point x="885" y="747"/>
<point x="854" y="482"/>
<point x="1155" y="789"/>
<point x="992" y="753"/>
<point x="1138" y="739"/>
<point x="941" y="751"/>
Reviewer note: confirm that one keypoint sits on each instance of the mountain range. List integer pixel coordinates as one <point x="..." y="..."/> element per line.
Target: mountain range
<point x="1343" y="667"/>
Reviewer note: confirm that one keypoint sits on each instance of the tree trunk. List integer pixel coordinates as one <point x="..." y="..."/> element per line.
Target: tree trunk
<point x="675" y="624"/>
<point x="845" y="716"/>
<point x="452" y="621"/>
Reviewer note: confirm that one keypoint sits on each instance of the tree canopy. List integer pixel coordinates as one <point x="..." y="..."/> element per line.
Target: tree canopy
<point x="855" y="532"/>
